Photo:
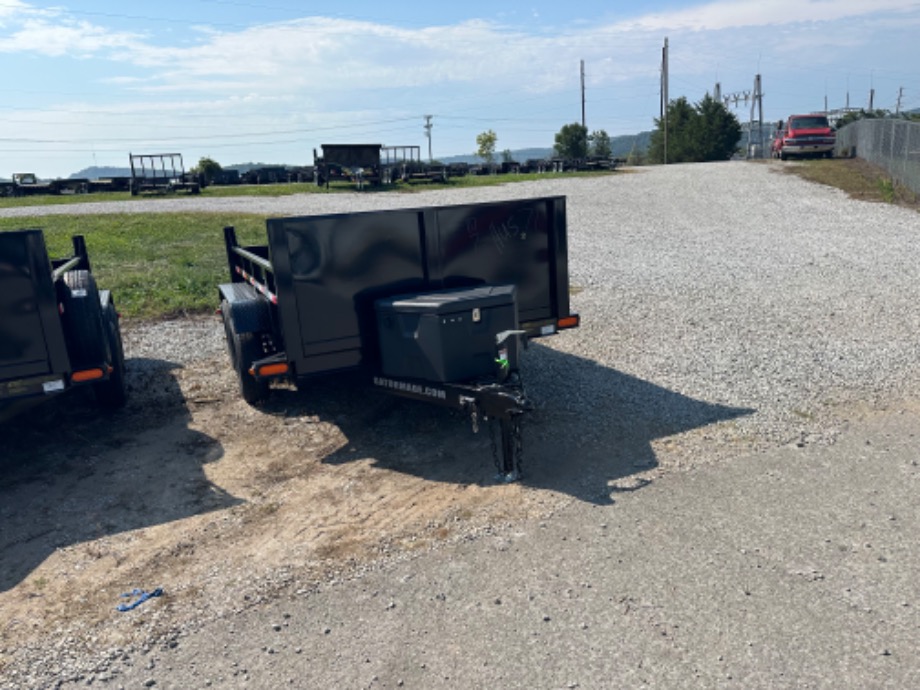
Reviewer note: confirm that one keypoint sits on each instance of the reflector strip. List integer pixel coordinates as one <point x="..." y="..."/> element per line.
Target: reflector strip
<point x="87" y="375"/>
<point x="273" y="369"/>
<point x="568" y="321"/>
<point x="273" y="298"/>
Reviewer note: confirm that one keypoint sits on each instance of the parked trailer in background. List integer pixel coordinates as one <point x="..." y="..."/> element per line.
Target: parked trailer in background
<point x="404" y="164"/>
<point x="160" y="173"/>
<point x="358" y="163"/>
<point x="431" y="303"/>
<point x="58" y="330"/>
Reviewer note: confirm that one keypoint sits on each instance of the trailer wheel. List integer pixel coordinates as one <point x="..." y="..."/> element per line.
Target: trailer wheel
<point x="82" y="320"/>
<point x="244" y="349"/>
<point x="112" y="392"/>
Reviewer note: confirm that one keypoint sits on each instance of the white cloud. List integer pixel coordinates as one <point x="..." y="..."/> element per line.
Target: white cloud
<point x="77" y="39"/>
<point x="12" y="8"/>
<point x="729" y="14"/>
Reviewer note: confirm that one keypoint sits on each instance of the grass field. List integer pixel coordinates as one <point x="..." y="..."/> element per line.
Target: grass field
<point x="169" y="264"/>
<point x="156" y="265"/>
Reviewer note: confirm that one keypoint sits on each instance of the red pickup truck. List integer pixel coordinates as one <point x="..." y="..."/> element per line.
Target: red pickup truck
<point x="804" y="135"/>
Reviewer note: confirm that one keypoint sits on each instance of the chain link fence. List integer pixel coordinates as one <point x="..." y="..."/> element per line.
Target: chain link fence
<point x="891" y="144"/>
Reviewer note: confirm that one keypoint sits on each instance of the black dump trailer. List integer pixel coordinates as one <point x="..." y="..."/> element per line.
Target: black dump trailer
<point x="432" y="304"/>
<point x="359" y="163"/>
<point x="57" y="328"/>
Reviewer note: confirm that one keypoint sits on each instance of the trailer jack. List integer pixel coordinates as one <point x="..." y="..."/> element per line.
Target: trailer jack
<point x="507" y="404"/>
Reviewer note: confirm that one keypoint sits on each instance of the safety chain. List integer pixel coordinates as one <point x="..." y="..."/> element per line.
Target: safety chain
<point x="517" y="431"/>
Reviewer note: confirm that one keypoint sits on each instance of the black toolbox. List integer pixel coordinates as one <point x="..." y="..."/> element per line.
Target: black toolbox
<point x="448" y="335"/>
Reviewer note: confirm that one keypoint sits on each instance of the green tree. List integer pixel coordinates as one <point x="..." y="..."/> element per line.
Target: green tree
<point x="572" y="141"/>
<point x="704" y="132"/>
<point x="600" y="144"/>
<point x="717" y="131"/>
<point x="861" y="114"/>
<point x="485" y="143"/>
<point x="507" y="156"/>
<point x="208" y="168"/>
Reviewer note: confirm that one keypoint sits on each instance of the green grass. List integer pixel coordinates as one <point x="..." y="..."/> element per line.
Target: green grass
<point x="858" y="178"/>
<point x="156" y="265"/>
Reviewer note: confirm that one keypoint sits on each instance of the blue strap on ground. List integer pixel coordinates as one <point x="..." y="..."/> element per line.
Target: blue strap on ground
<point x="141" y="595"/>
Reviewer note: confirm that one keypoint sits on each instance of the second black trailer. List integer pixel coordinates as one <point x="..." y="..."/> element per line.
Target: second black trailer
<point x="431" y="303"/>
<point x="58" y="330"/>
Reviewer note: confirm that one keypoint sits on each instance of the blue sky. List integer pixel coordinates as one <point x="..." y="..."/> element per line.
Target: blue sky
<point x="270" y="80"/>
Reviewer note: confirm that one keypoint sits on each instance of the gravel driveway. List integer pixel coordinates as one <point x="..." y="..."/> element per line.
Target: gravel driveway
<point x="726" y="308"/>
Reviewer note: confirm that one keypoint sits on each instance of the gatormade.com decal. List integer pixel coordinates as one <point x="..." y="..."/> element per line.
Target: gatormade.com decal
<point x="406" y="387"/>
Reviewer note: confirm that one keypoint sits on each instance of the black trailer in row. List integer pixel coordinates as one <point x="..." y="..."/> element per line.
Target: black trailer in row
<point x="58" y="330"/>
<point x="432" y="304"/>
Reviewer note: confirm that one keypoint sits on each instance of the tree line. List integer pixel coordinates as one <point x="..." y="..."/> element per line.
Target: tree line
<point x="705" y="131"/>
<point x="572" y="141"/>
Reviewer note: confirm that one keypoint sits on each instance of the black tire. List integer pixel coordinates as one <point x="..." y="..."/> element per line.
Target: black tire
<point x="82" y="321"/>
<point x="113" y="392"/>
<point x="244" y="349"/>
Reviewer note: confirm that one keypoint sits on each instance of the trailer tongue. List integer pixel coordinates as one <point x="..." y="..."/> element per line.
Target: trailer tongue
<point x="432" y="303"/>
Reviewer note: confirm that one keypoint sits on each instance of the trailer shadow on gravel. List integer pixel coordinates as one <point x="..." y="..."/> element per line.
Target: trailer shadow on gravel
<point x="71" y="473"/>
<point x="593" y="427"/>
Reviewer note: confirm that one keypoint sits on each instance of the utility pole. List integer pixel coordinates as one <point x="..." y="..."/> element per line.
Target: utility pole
<point x="664" y="96"/>
<point x="428" y="127"/>
<point x="871" y="91"/>
<point x="583" y="95"/>
<point x="897" y="110"/>
<point x="717" y="92"/>
<point x="756" y="104"/>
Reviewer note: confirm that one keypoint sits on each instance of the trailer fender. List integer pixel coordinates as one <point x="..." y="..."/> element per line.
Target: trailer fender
<point x="249" y="311"/>
<point x="82" y="320"/>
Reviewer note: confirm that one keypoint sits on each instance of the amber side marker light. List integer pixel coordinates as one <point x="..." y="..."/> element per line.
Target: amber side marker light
<point x="87" y="375"/>
<point x="568" y="322"/>
<point x="270" y="369"/>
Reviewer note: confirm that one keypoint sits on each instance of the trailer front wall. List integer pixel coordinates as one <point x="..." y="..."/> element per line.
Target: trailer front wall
<point x="331" y="269"/>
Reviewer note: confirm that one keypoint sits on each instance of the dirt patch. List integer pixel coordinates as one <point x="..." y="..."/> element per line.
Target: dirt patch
<point x="221" y="504"/>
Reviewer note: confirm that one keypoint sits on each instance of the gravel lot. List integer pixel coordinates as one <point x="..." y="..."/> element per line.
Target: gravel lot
<point x="726" y="308"/>
<point x="732" y="284"/>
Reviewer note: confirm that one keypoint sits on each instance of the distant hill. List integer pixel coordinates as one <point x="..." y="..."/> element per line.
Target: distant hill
<point x="97" y="172"/>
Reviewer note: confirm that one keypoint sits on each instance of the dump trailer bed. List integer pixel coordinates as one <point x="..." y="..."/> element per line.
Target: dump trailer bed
<point x="57" y="329"/>
<point x="311" y="301"/>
